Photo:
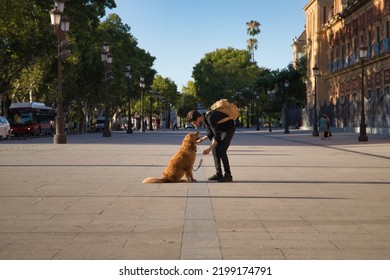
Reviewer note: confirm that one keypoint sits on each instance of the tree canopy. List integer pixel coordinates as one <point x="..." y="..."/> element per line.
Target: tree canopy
<point x="28" y="48"/>
<point x="220" y="74"/>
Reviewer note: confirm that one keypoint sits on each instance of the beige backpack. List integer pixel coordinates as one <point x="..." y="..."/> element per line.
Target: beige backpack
<point x="227" y="108"/>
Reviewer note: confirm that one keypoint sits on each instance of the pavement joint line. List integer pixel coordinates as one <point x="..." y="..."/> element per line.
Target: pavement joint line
<point x="193" y="239"/>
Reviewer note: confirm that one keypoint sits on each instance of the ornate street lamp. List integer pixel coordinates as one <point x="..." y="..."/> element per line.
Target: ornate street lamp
<point x="363" y="133"/>
<point x="286" y="84"/>
<point x="158" y="97"/>
<point x="269" y="93"/>
<point x="142" y="86"/>
<point x="257" y="96"/>
<point x="128" y="77"/>
<point x="315" y="121"/>
<point x="151" y="100"/>
<point x="107" y="60"/>
<point x="61" y="26"/>
<point x="247" y="89"/>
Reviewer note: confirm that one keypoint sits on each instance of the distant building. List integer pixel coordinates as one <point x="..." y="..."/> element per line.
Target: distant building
<point x="298" y="48"/>
<point x="335" y="32"/>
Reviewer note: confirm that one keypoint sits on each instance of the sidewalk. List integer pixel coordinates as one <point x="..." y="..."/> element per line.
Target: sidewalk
<point x="294" y="196"/>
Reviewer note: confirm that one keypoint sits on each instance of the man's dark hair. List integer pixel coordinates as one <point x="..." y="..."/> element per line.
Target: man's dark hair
<point x="193" y="115"/>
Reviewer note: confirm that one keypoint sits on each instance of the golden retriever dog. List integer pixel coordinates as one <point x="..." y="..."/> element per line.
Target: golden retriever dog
<point x="181" y="163"/>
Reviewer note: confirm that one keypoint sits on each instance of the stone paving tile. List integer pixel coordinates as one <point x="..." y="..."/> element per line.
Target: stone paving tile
<point x="161" y="225"/>
<point x="142" y="251"/>
<point x="239" y="226"/>
<point x="201" y="254"/>
<point x="288" y="226"/>
<point x="200" y="240"/>
<point x="201" y="225"/>
<point x="244" y="236"/>
<point x="315" y="254"/>
<point x="331" y="236"/>
<point x="250" y="253"/>
<point x="28" y="254"/>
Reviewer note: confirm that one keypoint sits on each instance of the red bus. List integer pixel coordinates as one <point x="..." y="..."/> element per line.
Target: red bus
<point x="31" y="118"/>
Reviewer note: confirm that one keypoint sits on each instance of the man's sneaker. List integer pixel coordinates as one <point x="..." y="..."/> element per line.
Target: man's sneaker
<point x="215" y="177"/>
<point x="226" y="178"/>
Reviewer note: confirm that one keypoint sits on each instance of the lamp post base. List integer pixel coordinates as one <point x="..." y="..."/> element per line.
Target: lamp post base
<point x="59" y="139"/>
<point x="106" y="133"/>
<point x="363" y="134"/>
<point x="129" y="127"/>
<point x="60" y="136"/>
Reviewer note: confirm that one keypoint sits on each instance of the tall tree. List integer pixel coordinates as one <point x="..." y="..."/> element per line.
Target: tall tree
<point x="167" y="89"/>
<point x="220" y="74"/>
<point x="28" y="45"/>
<point x="253" y="28"/>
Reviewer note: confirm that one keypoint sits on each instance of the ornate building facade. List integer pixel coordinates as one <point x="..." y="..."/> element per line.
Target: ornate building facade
<point x="336" y="30"/>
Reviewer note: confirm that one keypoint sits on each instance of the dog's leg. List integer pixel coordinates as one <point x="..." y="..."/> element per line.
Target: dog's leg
<point x="190" y="176"/>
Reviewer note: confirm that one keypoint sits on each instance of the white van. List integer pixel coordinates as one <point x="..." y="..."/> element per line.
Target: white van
<point x="100" y="123"/>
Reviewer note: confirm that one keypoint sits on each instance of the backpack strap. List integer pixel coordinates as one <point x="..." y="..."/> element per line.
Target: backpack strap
<point x="221" y="120"/>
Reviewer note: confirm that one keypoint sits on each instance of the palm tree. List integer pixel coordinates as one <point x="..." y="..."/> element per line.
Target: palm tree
<point x="251" y="44"/>
<point x="252" y="30"/>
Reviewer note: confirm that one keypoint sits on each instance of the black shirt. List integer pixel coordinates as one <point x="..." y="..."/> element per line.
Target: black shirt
<point x="214" y="129"/>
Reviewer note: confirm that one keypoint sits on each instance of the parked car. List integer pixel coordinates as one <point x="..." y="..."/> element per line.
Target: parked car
<point x="5" y="128"/>
<point x="100" y="123"/>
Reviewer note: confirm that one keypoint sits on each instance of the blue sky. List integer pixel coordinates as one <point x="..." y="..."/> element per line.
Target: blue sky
<point x="180" y="32"/>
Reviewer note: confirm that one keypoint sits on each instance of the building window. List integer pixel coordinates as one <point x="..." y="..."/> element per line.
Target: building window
<point x="369" y="38"/>
<point x="387" y="29"/>
<point x="324" y="16"/>
<point x="377" y="34"/>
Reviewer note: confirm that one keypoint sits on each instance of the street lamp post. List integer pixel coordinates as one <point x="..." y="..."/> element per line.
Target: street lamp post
<point x="257" y="111"/>
<point x="286" y="84"/>
<point x="107" y="60"/>
<point x="269" y="110"/>
<point x="363" y="133"/>
<point x="151" y="100"/>
<point x="142" y="86"/>
<point x="158" y="97"/>
<point x="247" y="89"/>
<point x="315" y="126"/>
<point x="61" y="26"/>
<point x="128" y="77"/>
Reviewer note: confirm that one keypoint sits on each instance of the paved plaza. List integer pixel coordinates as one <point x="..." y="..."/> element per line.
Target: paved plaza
<point x="294" y="197"/>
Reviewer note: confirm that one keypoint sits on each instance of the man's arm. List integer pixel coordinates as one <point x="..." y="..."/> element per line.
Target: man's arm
<point x="211" y="147"/>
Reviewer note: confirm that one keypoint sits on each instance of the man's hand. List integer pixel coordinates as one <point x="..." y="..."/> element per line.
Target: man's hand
<point x="212" y="146"/>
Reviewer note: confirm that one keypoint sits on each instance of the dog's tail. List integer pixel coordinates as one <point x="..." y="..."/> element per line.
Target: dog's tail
<point x="155" y="180"/>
